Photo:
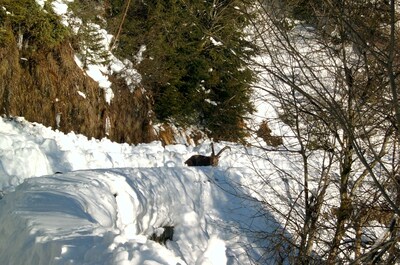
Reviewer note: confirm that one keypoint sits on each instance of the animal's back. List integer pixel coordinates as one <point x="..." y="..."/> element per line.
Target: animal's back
<point x="198" y="161"/>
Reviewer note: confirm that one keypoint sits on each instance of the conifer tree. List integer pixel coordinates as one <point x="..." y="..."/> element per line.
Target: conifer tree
<point x="90" y="48"/>
<point x="34" y="25"/>
<point x="195" y="60"/>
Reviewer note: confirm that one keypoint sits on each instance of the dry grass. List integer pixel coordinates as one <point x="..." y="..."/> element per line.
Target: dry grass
<point x="46" y="82"/>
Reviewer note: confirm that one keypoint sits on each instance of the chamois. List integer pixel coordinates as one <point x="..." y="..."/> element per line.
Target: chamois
<point x="200" y="160"/>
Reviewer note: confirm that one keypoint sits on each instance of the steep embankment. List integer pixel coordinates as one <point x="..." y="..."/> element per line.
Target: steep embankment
<point x="40" y="80"/>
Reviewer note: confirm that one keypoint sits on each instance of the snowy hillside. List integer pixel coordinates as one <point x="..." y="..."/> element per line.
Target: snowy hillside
<point x="70" y="200"/>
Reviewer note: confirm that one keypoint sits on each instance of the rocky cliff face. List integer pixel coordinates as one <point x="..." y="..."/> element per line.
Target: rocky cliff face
<point x="48" y="87"/>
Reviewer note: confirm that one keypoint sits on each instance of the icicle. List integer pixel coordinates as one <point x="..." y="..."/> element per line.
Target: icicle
<point x="58" y="119"/>
<point x="20" y="41"/>
<point x="108" y="126"/>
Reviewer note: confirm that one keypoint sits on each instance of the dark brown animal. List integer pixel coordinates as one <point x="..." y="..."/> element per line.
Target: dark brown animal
<point x="201" y="160"/>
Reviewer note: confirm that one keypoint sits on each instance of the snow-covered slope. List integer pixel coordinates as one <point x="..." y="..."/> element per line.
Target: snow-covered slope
<point x="70" y="200"/>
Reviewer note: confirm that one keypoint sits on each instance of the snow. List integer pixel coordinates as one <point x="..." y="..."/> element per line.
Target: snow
<point x="99" y="72"/>
<point x="60" y="7"/>
<point x="214" y="254"/>
<point x="68" y="199"/>
<point x="80" y="93"/>
<point x="215" y="43"/>
<point x="40" y="3"/>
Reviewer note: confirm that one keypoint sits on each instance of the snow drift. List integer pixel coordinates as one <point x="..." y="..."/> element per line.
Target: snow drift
<point x="70" y="200"/>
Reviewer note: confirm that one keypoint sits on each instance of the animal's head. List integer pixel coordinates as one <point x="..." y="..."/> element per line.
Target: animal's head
<point x="214" y="159"/>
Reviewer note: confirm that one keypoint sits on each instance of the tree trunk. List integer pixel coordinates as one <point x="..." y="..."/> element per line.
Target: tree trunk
<point x="345" y="208"/>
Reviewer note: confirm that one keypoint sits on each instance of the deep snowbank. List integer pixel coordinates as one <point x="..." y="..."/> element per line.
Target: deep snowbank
<point x="107" y="199"/>
<point x="106" y="217"/>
